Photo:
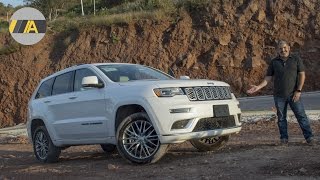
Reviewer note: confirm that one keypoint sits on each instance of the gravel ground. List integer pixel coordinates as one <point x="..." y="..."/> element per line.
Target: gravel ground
<point x="254" y="153"/>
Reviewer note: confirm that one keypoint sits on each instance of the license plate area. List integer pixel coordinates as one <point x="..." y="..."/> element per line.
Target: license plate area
<point x="221" y="110"/>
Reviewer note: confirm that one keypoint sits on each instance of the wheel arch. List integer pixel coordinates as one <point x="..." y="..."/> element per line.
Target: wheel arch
<point x="125" y="111"/>
<point x="36" y="123"/>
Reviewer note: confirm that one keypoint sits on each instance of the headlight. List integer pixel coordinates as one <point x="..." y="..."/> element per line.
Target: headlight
<point x="168" y="92"/>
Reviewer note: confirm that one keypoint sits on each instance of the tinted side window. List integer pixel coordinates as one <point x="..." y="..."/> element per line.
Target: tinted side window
<point x="80" y="74"/>
<point x="45" y="89"/>
<point x="63" y="83"/>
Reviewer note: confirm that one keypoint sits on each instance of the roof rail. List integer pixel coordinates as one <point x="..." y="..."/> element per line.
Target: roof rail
<point x="77" y="65"/>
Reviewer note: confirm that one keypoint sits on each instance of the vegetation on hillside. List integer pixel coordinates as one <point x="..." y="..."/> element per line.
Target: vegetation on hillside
<point x="67" y="15"/>
<point x="5" y="9"/>
<point x="63" y="15"/>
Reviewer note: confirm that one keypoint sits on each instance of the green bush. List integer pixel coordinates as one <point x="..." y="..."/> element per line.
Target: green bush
<point x="4" y="26"/>
<point x="64" y="24"/>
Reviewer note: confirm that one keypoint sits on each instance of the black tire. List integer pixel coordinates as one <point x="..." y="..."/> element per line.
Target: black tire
<point x="108" y="148"/>
<point x="136" y="135"/>
<point x="210" y="143"/>
<point x="44" y="150"/>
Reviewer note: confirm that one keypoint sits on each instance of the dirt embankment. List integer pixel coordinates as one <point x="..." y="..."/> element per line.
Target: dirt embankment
<point x="232" y="42"/>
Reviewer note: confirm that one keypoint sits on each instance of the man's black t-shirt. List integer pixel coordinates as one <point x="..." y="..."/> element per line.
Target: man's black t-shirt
<point x="285" y="75"/>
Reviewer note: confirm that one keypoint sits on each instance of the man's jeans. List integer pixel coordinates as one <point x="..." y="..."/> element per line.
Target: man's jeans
<point x="298" y="110"/>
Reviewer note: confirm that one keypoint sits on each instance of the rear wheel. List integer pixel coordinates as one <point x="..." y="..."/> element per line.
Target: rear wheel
<point x="44" y="150"/>
<point x="138" y="141"/>
<point x="210" y="143"/>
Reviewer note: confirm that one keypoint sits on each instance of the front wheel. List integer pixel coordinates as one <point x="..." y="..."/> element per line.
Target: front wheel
<point x="138" y="141"/>
<point x="210" y="143"/>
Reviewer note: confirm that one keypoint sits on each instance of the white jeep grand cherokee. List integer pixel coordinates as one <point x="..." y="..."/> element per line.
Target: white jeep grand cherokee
<point x="137" y="109"/>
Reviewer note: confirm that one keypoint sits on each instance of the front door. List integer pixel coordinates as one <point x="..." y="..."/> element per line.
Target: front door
<point x="81" y="114"/>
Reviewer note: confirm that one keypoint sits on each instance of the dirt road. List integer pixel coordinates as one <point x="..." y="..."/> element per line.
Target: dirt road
<point x="252" y="154"/>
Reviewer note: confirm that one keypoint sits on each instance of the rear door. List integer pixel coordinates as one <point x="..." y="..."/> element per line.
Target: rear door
<point x="59" y="109"/>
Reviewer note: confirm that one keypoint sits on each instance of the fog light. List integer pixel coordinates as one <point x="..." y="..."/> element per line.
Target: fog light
<point x="180" y="110"/>
<point x="180" y="124"/>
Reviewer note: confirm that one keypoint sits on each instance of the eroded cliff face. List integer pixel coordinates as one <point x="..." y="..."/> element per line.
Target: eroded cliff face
<point x="228" y="41"/>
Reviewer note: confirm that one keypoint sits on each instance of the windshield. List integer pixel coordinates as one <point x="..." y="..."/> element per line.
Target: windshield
<point x="132" y="72"/>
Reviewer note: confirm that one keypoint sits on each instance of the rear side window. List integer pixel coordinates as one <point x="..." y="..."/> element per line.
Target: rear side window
<point x="63" y="83"/>
<point x="45" y="89"/>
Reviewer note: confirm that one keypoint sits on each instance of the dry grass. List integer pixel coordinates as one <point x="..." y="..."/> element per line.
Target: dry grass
<point x="64" y="24"/>
<point x="127" y="17"/>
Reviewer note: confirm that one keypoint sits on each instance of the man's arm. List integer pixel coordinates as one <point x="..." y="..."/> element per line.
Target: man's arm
<point x="255" y="88"/>
<point x="301" y="79"/>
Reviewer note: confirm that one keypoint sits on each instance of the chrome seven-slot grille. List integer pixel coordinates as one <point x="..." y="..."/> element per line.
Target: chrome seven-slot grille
<point x="208" y="93"/>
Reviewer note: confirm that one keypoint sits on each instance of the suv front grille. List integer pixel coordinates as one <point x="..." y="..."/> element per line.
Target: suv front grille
<point x="206" y="124"/>
<point x="208" y="93"/>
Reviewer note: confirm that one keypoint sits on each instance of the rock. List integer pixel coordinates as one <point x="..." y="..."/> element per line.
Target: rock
<point x="9" y="156"/>
<point x="112" y="167"/>
<point x="226" y="6"/>
<point x="207" y="25"/>
<point x="238" y="3"/>
<point x="260" y="16"/>
<point x="225" y="39"/>
<point x="218" y="21"/>
<point x="225" y="61"/>
<point x="206" y="162"/>
<point x="309" y="4"/>
<point x="195" y="67"/>
<point x="303" y="170"/>
<point x="253" y="62"/>
<point x="174" y="67"/>
<point x="189" y="61"/>
<point x="254" y="6"/>
<point x="242" y="20"/>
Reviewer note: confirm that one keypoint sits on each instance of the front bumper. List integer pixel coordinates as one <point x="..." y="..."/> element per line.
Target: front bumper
<point x="163" y="119"/>
<point x="178" y="138"/>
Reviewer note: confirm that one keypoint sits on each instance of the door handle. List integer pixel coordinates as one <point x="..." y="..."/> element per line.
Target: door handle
<point x="47" y="101"/>
<point x="73" y="97"/>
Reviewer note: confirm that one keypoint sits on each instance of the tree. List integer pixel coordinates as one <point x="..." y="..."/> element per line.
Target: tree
<point x="82" y="8"/>
<point x="6" y="10"/>
<point x="49" y="8"/>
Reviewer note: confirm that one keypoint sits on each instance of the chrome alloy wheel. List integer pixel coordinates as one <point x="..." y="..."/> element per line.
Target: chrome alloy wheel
<point x="140" y="139"/>
<point x="41" y="145"/>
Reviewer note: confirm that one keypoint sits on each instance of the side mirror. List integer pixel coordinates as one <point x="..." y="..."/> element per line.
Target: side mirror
<point x="184" y="77"/>
<point x="91" y="81"/>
